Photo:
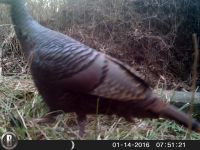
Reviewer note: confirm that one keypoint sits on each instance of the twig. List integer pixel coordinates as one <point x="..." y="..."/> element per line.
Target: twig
<point x="96" y="123"/>
<point x="194" y="76"/>
<point x="2" y="25"/>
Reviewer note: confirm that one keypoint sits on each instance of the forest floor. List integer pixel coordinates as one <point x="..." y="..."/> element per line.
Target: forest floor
<point x="20" y="103"/>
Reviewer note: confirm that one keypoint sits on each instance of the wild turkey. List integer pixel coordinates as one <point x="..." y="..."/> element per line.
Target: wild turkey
<point x="72" y="77"/>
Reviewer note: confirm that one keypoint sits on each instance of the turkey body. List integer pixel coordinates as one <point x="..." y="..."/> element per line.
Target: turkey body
<point x="73" y="77"/>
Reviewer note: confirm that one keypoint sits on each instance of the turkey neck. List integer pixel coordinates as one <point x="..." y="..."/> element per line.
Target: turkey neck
<point x="19" y="14"/>
<point x="26" y="27"/>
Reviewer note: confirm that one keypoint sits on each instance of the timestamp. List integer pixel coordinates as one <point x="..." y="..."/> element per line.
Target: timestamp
<point x="170" y="144"/>
<point x="131" y="144"/>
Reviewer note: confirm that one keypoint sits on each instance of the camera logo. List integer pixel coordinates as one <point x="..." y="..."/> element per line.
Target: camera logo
<point x="9" y="140"/>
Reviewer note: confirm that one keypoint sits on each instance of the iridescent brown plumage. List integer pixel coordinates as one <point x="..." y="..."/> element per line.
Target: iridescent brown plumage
<point x="72" y="77"/>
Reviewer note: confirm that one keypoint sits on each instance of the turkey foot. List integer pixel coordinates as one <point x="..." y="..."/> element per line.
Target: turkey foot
<point x="81" y="119"/>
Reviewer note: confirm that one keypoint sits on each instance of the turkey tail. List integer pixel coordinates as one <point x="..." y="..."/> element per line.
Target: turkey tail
<point x="171" y="112"/>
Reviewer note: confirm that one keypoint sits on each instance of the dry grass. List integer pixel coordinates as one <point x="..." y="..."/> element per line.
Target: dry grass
<point x="144" y="34"/>
<point x="20" y="103"/>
